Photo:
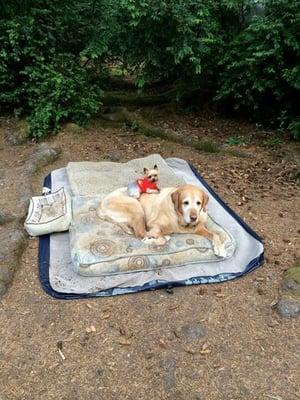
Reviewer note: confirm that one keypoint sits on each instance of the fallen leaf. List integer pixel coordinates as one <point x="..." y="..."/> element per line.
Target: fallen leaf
<point x="124" y="342"/>
<point x="206" y="351"/>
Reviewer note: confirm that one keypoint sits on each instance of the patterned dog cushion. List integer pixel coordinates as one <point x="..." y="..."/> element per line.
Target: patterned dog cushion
<point x="100" y="248"/>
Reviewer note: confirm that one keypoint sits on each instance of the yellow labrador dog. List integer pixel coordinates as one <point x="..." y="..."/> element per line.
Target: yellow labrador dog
<point x="155" y="216"/>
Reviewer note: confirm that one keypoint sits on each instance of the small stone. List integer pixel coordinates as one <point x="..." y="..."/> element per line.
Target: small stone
<point x="193" y="331"/>
<point x="288" y="308"/>
<point x="114" y="155"/>
<point x="100" y="371"/>
<point x="169" y="367"/>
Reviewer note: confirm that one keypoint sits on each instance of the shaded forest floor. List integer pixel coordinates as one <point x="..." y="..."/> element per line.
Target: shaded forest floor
<point x="210" y="342"/>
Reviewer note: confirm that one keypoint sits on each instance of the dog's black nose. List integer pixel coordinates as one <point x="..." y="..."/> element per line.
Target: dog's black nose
<point x="193" y="218"/>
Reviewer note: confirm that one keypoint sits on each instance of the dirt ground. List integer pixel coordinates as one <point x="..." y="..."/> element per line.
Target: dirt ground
<point x="210" y="342"/>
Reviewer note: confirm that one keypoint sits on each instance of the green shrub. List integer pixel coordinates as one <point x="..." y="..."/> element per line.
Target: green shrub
<point x="260" y="71"/>
<point x="56" y="93"/>
<point x="40" y="72"/>
<point x="235" y="140"/>
<point x="55" y="56"/>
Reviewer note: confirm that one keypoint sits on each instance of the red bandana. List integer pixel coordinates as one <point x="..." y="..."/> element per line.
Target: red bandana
<point x="144" y="184"/>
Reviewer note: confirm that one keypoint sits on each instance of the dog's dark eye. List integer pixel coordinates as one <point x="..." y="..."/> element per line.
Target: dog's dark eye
<point x="198" y="203"/>
<point x="186" y="203"/>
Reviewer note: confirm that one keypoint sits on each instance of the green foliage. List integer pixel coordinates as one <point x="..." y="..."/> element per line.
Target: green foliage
<point x="55" y="56"/>
<point x="235" y="140"/>
<point x="40" y="72"/>
<point x="168" y="40"/>
<point x="273" y="141"/>
<point x="294" y="127"/>
<point x="260" y="71"/>
<point x="57" y="93"/>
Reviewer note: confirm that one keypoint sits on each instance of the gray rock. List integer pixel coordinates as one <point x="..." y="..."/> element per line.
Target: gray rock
<point x="288" y="308"/>
<point x="43" y="156"/>
<point x="3" y="287"/>
<point x="169" y="367"/>
<point x="12" y="242"/>
<point x="114" y="155"/>
<point x="16" y="139"/>
<point x="193" y="331"/>
<point x="290" y="284"/>
<point x="5" y="217"/>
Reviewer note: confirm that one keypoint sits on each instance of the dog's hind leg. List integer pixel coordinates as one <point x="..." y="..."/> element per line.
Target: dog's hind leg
<point x="126" y="212"/>
<point x="138" y="226"/>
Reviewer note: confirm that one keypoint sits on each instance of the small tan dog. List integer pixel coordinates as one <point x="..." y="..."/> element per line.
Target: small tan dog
<point x="147" y="184"/>
<point x="155" y="216"/>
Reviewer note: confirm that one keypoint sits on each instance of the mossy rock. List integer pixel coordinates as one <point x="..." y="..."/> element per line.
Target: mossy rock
<point x="20" y="135"/>
<point x="70" y="127"/>
<point x="294" y="273"/>
<point x="289" y="303"/>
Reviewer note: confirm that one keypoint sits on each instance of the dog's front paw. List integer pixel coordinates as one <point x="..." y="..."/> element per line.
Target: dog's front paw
<point x="149" y="240"/>
<point x="219" y="246"/>
<point x="220" y="250"/>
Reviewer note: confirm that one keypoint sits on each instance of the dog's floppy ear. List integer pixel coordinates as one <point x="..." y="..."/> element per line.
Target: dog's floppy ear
<point x="205" y="201"/>
<point x="146" y="171"/>
<point x="175" y="196"/>
<point x="155" y="167"/>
